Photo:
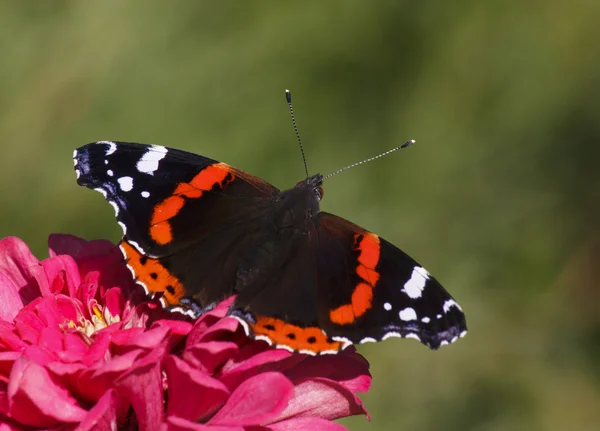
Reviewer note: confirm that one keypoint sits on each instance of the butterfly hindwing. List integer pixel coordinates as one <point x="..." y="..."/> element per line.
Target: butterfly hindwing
<point x="375" y="291"/>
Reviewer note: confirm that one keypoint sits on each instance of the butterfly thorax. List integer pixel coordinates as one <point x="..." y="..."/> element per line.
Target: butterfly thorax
<point x="283" y="232"/>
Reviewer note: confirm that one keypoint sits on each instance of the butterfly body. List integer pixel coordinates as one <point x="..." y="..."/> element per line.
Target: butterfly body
<point x="197" y="231"/>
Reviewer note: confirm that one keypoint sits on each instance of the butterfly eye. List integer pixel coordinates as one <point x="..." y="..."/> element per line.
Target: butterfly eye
<point x="320" y="192"/>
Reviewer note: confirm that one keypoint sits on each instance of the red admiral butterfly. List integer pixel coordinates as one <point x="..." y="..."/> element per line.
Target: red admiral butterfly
<point x="196" y="231"/>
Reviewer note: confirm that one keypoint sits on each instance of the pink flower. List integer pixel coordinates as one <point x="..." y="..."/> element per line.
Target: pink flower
<point x="81" y="347"/>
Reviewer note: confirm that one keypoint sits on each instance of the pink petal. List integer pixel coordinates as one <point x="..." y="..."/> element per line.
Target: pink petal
<point x="115" y="302"/>
<point x="102" y="417"/>
<point x="347" y="368"/>
<point x="16" y="263"/>
<point x="64" y="270"/>
<point x="306" y="424"/>
<point x="211" y="355"/>
<point x="256" y="401"/>
<point x="10" y="301"/>
<point x="7" y="359"/>
<point x="35" y="400"/>
<point x="193" y="394"/>
<point x="247" y="366"/>
<point x="204" y="322"/>
<point x="9" y="339"/>
<point x="136" y="338"/>
<point x="65" y="244"/>
<point x="322" y="398"/>
<point x="178" y="424"/>
<point x="177" y="327"/>
<point x="142" y="387"/>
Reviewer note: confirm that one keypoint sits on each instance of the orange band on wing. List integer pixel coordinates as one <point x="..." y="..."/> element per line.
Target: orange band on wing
<point x="295" y="337"/>
<point x="154" y="276"/>
<point x="362" y="296"/>
<point x="160" y="228"/>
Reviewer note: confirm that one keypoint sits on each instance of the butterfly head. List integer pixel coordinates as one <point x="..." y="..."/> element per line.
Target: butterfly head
<point x="313" y="185"/>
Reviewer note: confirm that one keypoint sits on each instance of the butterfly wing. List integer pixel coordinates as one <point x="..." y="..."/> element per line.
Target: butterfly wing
<point x="373" y="290"/>
<point x="185" y="217"/>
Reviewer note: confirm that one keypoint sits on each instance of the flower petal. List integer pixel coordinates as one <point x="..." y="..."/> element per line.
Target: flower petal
<point x="322" y="398"/>
<point x="210" y="355"/>
<point x="257" y="400"/>
<point x="306" y="424"/>
<point x="247" y="364"/>
<point x="347" y="368"/>
<point x="10" y="300"/>
<point x="17" y="263"/>
<point x="178" y="424"/>
<point x="142" y="387"/>
<point x="36" y="400"/>
<point x="193" y="394"/>
<point x="103" y="416"/>
<point x="65" y="244"/>
<point x="62" y="273"/>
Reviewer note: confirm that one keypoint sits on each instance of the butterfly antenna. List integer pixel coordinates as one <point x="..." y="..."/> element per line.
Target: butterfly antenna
<point x="288" y="97"/>
<point x="399" y="147"/>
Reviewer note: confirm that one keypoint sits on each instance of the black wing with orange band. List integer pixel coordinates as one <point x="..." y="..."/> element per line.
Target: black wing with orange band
<point x="375" y="291"/>
<point x="165" y="213"/>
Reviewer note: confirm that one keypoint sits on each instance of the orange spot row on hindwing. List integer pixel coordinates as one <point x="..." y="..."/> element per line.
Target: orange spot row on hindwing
<point x="295" y="337"/>
<point x="205" y="180"/>
<point x="155" y="277"/>
<point x="362" y="296"/>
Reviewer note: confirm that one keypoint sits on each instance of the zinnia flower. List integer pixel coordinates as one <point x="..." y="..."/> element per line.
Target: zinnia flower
<point x="82" y="348"/>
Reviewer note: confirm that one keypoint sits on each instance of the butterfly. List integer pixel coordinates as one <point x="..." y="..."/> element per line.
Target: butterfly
<point x="196" y="231"/>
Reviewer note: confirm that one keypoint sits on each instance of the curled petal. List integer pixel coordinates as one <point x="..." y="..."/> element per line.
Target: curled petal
<point x="193" y="394"/>
<point x="103" y="416"/>
<point x="142" y="387"/>
<point x="10" y="300"/>
<point x="35" y="399"/>
<point x="258" y="400"/>
<point x="322" y="398"/>
<point x="18" y="263"/>
<point x="306" y="424"/>
<point x="175" y="423"/>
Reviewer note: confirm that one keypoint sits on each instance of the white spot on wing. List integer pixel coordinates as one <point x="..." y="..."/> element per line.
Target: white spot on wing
<point x="412" y="335"/>
<point x="148" y="164"/>
<point x="110" y="173"/>
<point x="126" y="183"/>
<point x="112" y="147"/>
<point x="415" y="285"/>
<point x="122" y="226"/>
<point x="425" y="320"/>
<point x="387" y="306"/>
<point x="408" y="314"/>
<point x="367" y="340"/>
<point x="449" y="304"/>
<point x="145" y="194"/>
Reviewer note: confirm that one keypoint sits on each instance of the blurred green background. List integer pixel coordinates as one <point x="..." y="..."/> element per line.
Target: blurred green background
<point x="500" y="198"/>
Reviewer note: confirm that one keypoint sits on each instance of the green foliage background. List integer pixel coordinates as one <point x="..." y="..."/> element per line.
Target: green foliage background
<point x="500" y="197"/>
